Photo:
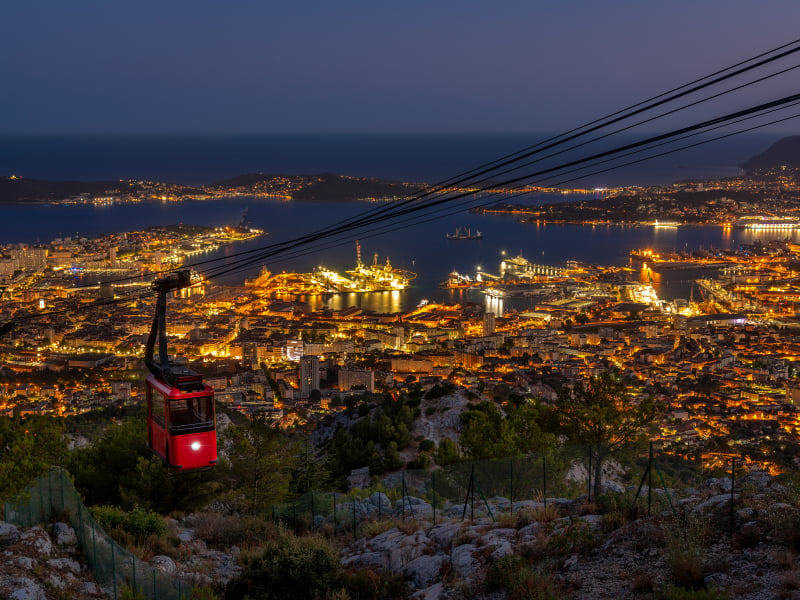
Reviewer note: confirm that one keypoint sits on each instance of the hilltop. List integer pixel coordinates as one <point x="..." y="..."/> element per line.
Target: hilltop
<point x="784" y="152"/>
<point x="322" y="187"/>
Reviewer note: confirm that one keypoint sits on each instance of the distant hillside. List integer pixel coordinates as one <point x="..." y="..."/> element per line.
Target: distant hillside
<point x="325" y="187"/>
<point x="15" y="190"/>
<point x="783" y="152"/>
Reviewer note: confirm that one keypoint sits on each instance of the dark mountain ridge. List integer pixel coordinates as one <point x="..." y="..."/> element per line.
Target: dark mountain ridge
<point x="784" y="152"/>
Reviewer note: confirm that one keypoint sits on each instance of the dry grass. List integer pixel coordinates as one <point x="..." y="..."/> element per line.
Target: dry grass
<point x="785" y="560"/>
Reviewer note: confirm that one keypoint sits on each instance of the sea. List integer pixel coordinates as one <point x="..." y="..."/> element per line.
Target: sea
<point x="417" y="244"/>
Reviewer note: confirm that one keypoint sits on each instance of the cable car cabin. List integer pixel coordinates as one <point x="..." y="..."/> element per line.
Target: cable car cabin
<point x="180" y="420"/>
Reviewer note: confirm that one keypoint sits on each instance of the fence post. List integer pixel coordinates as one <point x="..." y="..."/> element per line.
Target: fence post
<point x="334" y="513"/>
<point x="511" y="483"/>
<point x="433" y="485"/>
<point x="313" y="527"/>
<point x="114" y="569"/>
<point x="354" y="519"/>
<point x="155" y="592"/>
<point x="650" y="480"/>
<point x="733" y="481"/>
<point x="590" y="474"/>
<point x="133" y="571"/>
<point x="94" y="549"/>
<point x="472" y="495"/>
<point x="61" y="481"/>
<point x="403" y="495"/>
<point x="544" y="479"/>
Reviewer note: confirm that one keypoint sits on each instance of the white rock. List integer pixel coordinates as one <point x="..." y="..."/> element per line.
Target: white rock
<point x="434" y="592"/>
<point x="26" y="589"/>
<point x="24" y="562"/>
<point x="463" y="561"/>
<point x="64" y="535"/>
<point x="164" y="563"/>
<point x="65" y="564"/>
<point x="38" y="540"/>
<point x="424" y="570"/>
<point x="9" y="534"/>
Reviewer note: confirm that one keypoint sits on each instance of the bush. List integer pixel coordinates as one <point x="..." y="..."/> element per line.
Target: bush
<point x="426" y="445"/>
<point x="685" y="551"/>
<point x="369" y="585"/>
<point x="289" y="567"/>
<point x="679" y="593"/>
<point x="139" y="523"/>
<point x="522" y="580"/>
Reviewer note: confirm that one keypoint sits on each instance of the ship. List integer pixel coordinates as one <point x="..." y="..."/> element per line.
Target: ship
<point x="464" y="233"/>
<point x="377" y="277"/>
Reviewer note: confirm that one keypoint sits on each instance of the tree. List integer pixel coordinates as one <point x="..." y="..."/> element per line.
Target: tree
<point x="600" y="414"/>
<point x="28" y="447"/>
<point x="259" y="464"/>
<point x="487" y="433"/>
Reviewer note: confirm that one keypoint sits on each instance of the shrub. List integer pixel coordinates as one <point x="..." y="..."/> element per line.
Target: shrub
<point x="521" y="579"/>
<point x="288" y="567"/>
<point x="225" y="530"/>
<point x="679" y="593"/>
<point x="369" y="585"/>
<point x="139" y="523"/>
<point x="422" y="461"/>
<point x="685" y="550"/>
<point x="427" y="445"/>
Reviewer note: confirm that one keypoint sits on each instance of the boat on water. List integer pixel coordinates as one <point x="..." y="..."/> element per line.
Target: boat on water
<point x="464" y="233"/>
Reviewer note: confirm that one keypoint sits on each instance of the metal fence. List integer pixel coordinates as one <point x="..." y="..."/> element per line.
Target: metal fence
<point x="634" y="476"/>
<point x="52" y="497"/>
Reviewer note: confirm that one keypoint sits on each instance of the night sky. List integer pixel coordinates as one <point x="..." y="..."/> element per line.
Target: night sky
<point x="269" y="66"/>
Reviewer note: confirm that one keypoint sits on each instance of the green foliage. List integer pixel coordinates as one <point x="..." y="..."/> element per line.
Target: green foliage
<point x="258" y="469"/>
<point x="138" y="522"/>
<point x="679" y="593"/>
<point x="375" y="440"/>
<point x="487" y="433"/>
<point x="447" y="453"/>
<point x="369" y="585"/>
<point x="28" y="448"/>
<point x="439" y="391"/>
<point x="289" y="568"/>
<point x="103" y="469"/>
<point x="427" y="445"/>
<point x="126" y="592"/>
<point x="120" y="469"/>
<point x="577" y="537"/>
<point x="522" y="580"/>
<point x="600" y="414"/>
<point x="310" y="471"/>
<point x="422" y="461"/>
<point x="685" y="550"/>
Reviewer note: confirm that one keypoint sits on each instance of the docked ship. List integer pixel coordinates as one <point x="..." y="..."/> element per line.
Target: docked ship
<point x="464" y="233"/>
<point x="377" y="277"/>
<point x="762" y="222"/>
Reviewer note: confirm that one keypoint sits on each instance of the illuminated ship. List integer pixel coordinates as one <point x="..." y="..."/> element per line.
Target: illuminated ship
<point x="376" y="277"/>
<point x="464" y="233"/>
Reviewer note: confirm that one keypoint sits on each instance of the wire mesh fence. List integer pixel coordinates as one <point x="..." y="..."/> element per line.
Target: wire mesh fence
<point x="52" y="497"/>
<point x="631" y="476"/>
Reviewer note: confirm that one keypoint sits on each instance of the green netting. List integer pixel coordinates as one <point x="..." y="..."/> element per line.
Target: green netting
<point x="485" y="489"/>
<point x="52" y="497"/>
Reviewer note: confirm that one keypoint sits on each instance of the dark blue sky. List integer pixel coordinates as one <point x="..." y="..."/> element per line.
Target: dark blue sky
<point x="105" y="66"/>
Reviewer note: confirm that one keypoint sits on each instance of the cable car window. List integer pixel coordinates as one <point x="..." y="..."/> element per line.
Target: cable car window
<point x="186" y="413"/>
<point x="158" y="407"/>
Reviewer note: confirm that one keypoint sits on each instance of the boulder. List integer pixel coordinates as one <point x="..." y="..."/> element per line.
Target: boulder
<point x="26" y="589"/>
<point x="463" y="561"/>
<point x="164" y="563"/>
<point x="9" y="534"/>
<point x="65" y="564"/>
<point x="424" y="570"/>
<point x="64" y="535"/>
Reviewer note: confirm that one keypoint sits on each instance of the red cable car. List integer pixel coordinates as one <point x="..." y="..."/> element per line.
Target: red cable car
<point x="180" y="407"/>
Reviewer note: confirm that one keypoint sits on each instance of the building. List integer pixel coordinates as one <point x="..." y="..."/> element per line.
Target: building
<point x="309" y="374"/>
<point x="488" y="324"/>
<point x="350" y="378"/>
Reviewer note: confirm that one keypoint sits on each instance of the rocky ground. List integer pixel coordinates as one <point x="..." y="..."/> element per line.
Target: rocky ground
<point x="569" y="549"/>
<point x="581" y="554"/>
